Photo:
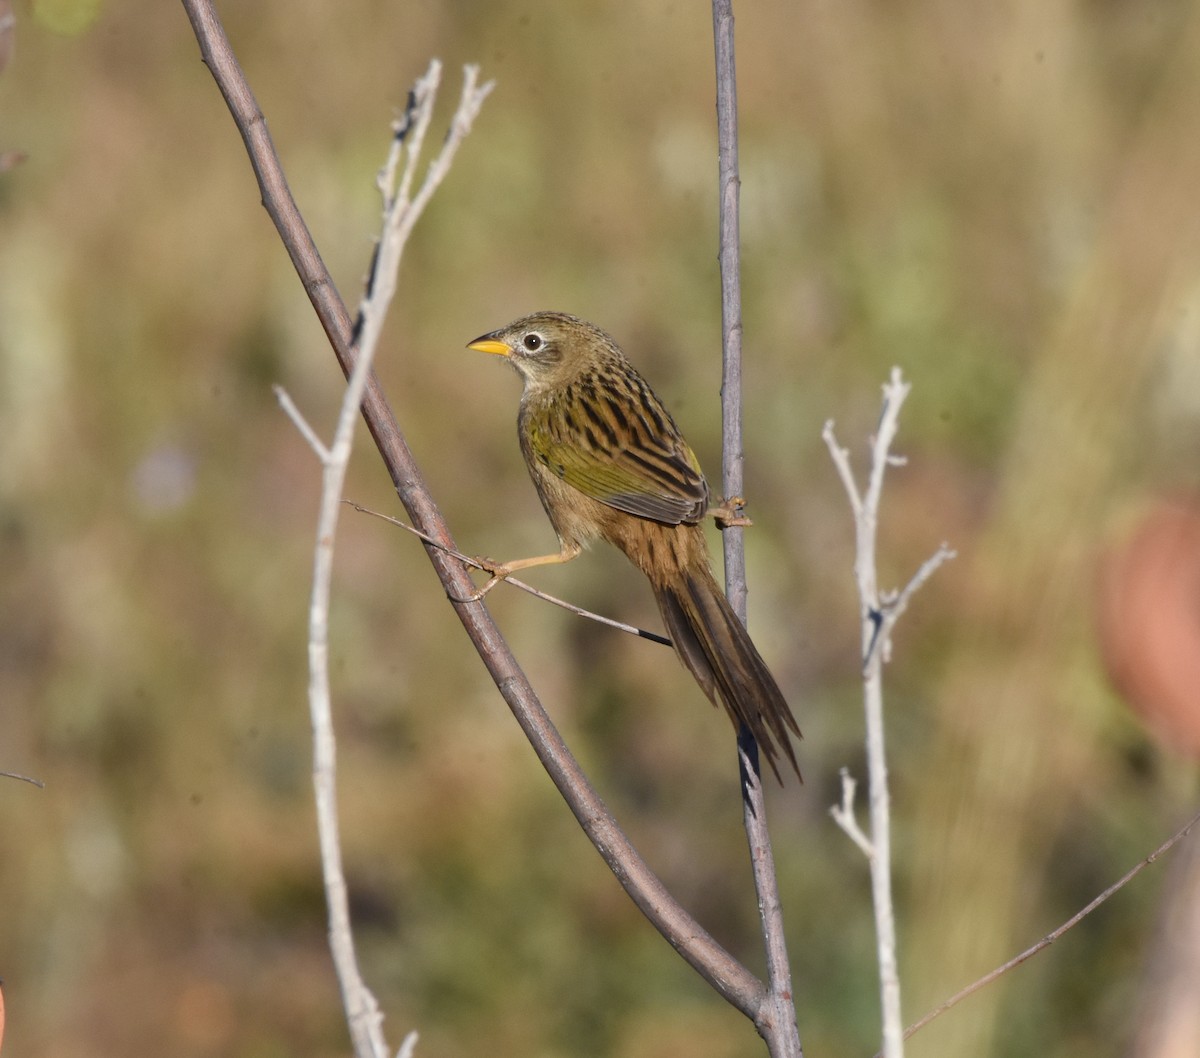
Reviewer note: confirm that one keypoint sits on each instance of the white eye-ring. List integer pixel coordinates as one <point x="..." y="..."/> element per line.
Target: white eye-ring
<point x="532" y="341"/>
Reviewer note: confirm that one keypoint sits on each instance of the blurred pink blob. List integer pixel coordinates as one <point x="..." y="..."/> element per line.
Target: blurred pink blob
<point x="1149" y="622"/>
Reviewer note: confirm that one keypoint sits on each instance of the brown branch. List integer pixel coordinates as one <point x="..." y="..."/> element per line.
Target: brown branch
<point x="777" y="1021"/>
<point x="732" y="980"/>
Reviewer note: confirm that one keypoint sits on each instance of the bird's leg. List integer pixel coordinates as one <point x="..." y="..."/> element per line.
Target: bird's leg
<point x="729" y="512"/>
<point x="500" y="570"/>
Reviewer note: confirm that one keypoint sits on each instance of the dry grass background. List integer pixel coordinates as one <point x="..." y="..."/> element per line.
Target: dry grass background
<point x="999" y="198"/>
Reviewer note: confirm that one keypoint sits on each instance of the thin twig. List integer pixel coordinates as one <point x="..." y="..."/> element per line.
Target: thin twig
<point x="844" y="816"/>
<point x="893" y="604"/>
<point x="777" y="1021"/>
<point x="537" y="593"/>
<point x="400" y="212"/>
<point x="841" y="461"/>
<point x="1051" y="937"/>
<point x="24" y="778"/>
<point x="895" y="392"/>
<point x="301" y="423"/>
<point x="720" y="969"/>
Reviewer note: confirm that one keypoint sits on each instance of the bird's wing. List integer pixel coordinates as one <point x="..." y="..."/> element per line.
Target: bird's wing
<point x="622" y="449"/>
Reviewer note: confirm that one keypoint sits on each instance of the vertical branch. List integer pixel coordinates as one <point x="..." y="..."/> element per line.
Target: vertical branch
<point x="399" y="215"/>
<point x="881" y="862"/>
<point x="777" y="1018"/>
<point x="729" y="256"/>
<point x="880" y="612"/>
<point x="878" y="796"/>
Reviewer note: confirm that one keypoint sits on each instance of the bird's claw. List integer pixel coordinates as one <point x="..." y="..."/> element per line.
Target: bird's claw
<point x="729" y="513"/>
<point x="498" y="570"/>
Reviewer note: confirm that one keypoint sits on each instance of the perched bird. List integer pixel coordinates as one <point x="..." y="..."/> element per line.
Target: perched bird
<point x="608" y="461"/>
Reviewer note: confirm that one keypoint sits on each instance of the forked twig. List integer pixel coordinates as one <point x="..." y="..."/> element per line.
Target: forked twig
<point x="400" y="213"/>
<point x="879" y="612"/>
<point x="843" y="814"/>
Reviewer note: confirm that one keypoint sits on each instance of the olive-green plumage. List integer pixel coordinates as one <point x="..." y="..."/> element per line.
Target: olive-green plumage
<point x="608" y="461"/>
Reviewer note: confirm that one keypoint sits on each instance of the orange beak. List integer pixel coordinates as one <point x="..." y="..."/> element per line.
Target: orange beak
<point x="488" y="344"/>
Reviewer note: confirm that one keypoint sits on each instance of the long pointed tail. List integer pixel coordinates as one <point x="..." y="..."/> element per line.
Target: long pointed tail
<point x="718" y="651"/>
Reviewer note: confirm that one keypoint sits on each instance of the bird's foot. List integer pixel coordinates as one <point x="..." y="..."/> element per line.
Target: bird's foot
<point x="729" y="512"/>
<point x="498" y="570"/>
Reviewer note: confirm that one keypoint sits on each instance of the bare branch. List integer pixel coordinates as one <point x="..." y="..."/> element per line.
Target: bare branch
<point x="895" y="392"/>
<point x="893" y="604"/>
<point x="301" y="424"/>
<point x="879" y="613"/>
<point x="399" y="217"/>
<point x="841" y="460"/>
<point x="844" y="816"/>
<point x="943" y="554"/>
<point x="777" y="1021"/>
<point x="400" y="212"/>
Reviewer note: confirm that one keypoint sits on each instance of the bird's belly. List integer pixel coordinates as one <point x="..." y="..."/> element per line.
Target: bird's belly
<point x="577" y="519"/>
<point x="657" y="549"/>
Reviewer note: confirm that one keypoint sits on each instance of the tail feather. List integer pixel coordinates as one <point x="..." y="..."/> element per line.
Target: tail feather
<point x="716" y="648"/>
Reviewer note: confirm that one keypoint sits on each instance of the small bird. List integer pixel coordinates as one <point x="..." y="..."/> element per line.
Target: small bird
<point x="608" y="461"/>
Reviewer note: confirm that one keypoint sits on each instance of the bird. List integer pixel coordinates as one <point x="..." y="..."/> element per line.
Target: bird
<point x="609" y="463"/>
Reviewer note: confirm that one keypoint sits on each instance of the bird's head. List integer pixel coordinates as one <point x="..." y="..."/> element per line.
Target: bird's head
<point x="549" y="349"/>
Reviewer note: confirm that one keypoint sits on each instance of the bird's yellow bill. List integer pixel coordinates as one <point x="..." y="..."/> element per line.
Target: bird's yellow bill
<point x="489" y="345"/>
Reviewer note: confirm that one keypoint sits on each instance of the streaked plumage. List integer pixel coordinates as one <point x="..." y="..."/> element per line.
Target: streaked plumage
<point x="608" y="461"/>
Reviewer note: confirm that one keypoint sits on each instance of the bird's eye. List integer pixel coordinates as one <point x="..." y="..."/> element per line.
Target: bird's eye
<point x="532" y="342"/>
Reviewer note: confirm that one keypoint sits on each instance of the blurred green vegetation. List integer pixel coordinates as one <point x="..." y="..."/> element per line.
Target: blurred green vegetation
<point x="998" y="198"/>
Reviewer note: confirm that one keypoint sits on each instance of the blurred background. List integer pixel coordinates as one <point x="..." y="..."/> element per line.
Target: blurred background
<point x="1000" y="199"/>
